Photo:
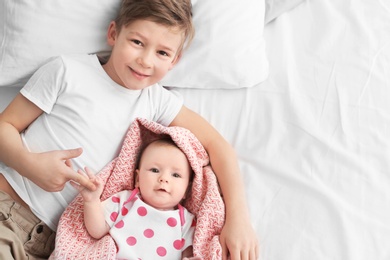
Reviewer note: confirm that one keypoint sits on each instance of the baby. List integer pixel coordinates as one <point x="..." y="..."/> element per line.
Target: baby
<point x="149" y="221"/>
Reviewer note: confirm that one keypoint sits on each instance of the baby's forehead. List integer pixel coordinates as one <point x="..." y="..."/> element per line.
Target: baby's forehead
<point x="164" y="144"/>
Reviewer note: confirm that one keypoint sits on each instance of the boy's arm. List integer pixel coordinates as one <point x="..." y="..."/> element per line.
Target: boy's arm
<point x="237" y="237"/>
<point x="49" y="170"/>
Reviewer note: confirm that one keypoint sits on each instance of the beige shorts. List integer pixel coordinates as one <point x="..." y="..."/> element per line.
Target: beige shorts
<point x="22" y="234"/>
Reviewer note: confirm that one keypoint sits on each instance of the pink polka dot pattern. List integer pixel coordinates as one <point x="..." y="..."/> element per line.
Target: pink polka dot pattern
<point x="114" y="216"/>
<point x="161" y="251"/>
<point x="115" y="199"/>
<point x="178" y="244"/>
<point x="142" y="211"/>
<point x="148" y="233"/>
<point x="172" y="222"/>
<point x="120" y="224"/>
<point x="131" y="241"/>
<point x="124" y="211"/>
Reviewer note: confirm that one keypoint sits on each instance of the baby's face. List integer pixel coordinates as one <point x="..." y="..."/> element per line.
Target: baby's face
<point x="143" y="53"/>
<point x="163" y="176"/>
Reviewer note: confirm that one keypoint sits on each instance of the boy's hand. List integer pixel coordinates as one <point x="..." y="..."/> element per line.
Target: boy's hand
<point x="52" y="170"/>
<point x="239" y="241"/>
<point x="89" y="195"/>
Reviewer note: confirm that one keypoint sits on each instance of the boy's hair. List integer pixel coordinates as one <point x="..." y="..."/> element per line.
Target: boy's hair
<point x="171" y="13"/>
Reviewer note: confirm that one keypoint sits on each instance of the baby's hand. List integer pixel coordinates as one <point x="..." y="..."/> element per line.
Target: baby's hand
<point x="87" y="194"/>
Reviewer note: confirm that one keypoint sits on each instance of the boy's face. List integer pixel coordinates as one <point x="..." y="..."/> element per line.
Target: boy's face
<point x="143" y="52"/>
<point x="163" y="176"/>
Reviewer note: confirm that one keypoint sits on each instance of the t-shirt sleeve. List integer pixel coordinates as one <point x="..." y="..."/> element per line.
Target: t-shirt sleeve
<point x="167" y="104"/>
<point x="45" y="85"/>
<point x="112" y="207"/>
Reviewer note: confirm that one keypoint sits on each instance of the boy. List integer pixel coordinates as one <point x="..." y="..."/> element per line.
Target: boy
<point x="75" y="101"/>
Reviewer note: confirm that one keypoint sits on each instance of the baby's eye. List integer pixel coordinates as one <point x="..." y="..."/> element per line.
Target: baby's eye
<point x="176" y="175"/>
<point x="155" y="170"/>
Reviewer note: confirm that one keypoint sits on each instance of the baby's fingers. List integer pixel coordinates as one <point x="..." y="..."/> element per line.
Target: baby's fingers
<point x="82" y="180"/>
<point x="76" y="186"/>
<point x="90" y="173"/>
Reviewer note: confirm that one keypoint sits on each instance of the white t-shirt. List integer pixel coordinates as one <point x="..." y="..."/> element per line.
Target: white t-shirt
<point x="83" y="107"/>
<point x="143" y="232"/>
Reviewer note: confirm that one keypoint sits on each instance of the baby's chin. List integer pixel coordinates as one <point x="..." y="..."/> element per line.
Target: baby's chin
<point x="162" y="206"/>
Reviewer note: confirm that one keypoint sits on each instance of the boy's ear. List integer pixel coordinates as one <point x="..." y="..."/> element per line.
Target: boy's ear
<point x="175" y="60"/>
<point x="111" y="34"/>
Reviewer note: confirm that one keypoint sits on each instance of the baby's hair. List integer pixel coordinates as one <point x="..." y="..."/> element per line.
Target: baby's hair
<point x="163" y="139"/>
<point x="171" y="13"/>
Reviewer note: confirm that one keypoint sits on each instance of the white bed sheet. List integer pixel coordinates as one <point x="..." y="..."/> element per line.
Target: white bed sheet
<point x="313" y="140"/>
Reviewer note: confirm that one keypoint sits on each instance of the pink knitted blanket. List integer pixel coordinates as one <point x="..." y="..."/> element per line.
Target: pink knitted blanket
<point x="205" y="201"/>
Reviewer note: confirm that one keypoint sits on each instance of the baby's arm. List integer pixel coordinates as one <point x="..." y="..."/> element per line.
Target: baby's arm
<point x="94" y="220"/>
<point x="49" y="170"/>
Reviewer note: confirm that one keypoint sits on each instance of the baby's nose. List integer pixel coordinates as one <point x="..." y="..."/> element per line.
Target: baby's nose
<point x="163" y="179"/>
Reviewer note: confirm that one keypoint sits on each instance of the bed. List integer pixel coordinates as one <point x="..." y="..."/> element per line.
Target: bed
<point x="310" y="120"/>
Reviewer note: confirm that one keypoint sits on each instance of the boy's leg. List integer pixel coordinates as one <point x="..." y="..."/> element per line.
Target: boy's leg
<point x="10" y="245"/>
<point x="31" y="238"/>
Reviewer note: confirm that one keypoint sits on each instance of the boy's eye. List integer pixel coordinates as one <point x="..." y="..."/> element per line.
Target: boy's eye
<point x="137" y="42"/>
<point x="163" y="53"/>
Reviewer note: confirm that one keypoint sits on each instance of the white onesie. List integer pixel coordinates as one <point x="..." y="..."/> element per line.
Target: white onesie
<point x="143" y="232"/>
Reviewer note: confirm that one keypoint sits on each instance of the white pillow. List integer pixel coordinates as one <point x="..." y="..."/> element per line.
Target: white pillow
<point x="228" y="50"/>
<point x="32" y="31"/>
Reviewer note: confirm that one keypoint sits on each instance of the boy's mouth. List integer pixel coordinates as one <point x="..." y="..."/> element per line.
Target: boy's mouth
<point x="138" y="75"/>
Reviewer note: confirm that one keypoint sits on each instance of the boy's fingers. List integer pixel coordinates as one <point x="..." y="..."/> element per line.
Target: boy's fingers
<point x="224" y="252"/>
<point x="83" y="181"/>
<point x="67" y="155"/>
<point x="69" y="163"/>
<point x="75" y="185"/>
<point x="71" y="153"/>
<point x="79" y="171"/>
<point x="80" y="178"/>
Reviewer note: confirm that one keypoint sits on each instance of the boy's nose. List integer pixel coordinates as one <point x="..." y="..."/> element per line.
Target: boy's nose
<point x="145" y="60"/>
